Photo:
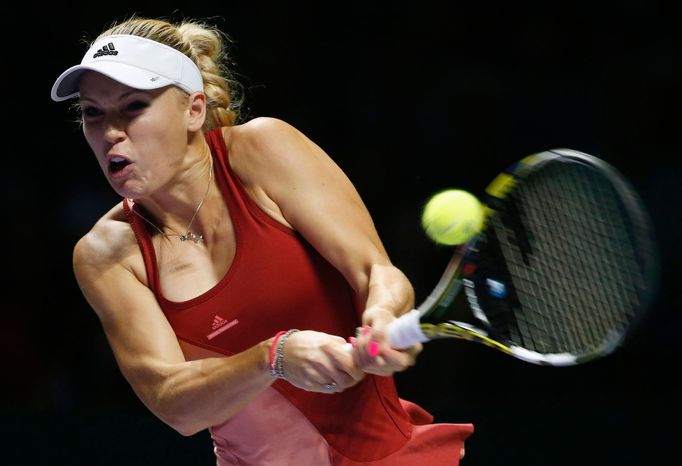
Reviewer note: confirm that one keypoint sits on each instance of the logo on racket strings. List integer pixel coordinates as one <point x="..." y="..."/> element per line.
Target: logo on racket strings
<point x="470" y="291"/>
<point x="496" y="288"/>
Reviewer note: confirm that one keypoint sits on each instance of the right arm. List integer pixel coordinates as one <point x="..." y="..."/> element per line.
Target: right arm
<point x="187" y="395"/>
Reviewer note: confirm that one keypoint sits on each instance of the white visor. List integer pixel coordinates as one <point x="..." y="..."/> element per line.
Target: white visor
<point x="134" y="61"/>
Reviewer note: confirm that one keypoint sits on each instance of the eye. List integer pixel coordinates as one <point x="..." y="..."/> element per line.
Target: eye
<point x="136" y="105"/>
<point x="90" y="112"/>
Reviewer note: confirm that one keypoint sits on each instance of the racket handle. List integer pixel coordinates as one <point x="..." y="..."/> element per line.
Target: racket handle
<point x="405" y="331"/>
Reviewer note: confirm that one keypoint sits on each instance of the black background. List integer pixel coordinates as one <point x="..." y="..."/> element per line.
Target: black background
<point x="408" y="98"/>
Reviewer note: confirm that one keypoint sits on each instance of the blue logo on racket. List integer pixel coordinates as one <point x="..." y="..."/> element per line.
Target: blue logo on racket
<point x="496" y="288"/>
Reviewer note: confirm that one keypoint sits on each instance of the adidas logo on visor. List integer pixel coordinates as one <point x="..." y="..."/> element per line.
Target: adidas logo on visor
<point x="106" y="50"/>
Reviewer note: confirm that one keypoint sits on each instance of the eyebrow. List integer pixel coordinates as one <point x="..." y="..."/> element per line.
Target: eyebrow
<point x="120" y="97"/>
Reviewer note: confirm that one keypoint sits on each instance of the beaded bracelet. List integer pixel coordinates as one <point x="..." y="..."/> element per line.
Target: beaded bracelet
<point x="277" y="357"/>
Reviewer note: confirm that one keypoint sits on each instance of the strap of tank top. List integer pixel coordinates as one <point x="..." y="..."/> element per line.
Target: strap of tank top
<point x="144" y="240"/>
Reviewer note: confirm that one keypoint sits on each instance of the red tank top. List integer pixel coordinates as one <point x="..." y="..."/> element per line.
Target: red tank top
<point x="279" y="281"/>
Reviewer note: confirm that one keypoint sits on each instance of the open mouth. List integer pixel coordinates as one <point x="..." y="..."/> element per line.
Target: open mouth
<point x="116" y="164"/>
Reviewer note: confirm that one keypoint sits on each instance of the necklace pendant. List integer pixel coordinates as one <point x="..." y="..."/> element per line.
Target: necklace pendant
<point x="191" y="236"/>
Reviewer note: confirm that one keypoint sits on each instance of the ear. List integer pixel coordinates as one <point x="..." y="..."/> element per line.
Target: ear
<point x="196" y="111"/>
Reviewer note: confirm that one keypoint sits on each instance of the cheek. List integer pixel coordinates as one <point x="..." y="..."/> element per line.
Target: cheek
<point x="163" y="121"/>
<point x="93" y="138"/>
<point x="159" y="140"/>
<point x="162" y="131"/>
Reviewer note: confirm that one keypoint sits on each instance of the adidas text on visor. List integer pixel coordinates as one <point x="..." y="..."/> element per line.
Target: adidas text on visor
<point x="134" y="61"/>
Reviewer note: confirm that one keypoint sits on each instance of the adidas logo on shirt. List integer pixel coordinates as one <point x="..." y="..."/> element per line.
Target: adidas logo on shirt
<point x="219" y="326"/>
<point x="106" y="50"/>
<point x="218" y="322"/>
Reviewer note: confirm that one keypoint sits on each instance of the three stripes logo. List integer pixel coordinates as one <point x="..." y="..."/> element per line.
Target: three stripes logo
<point x="218" y="322"/>
<point x="106" y="50"/>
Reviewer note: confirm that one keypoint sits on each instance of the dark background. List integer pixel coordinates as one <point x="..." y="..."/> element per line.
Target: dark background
<point x="408" y="98"/>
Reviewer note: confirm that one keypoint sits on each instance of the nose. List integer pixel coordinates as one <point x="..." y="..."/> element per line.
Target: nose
<point x="114" y="131"/>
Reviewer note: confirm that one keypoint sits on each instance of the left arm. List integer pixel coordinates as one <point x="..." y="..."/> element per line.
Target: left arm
<point x="297" y="182"/>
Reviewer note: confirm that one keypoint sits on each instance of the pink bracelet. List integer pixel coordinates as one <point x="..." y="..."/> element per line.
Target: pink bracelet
<point x="273" y="347"/>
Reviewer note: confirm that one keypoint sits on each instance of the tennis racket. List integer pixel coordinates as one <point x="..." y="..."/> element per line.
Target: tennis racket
<point x="563" y="269"/>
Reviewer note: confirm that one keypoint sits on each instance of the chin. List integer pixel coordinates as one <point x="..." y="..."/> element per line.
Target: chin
<point x="127" y="189"/>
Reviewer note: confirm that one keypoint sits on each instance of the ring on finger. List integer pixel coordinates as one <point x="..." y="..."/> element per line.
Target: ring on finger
<point x="329" y="387"/>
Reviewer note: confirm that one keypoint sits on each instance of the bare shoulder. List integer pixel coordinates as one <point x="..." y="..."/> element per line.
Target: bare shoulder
<point x="110" y="242"/>
<point x="261" y="130"/>
<point x="268" y="147"/>
<point x="267" y="140"/>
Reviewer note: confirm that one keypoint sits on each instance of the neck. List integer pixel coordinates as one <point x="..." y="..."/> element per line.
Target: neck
<point x="190" y="206"/>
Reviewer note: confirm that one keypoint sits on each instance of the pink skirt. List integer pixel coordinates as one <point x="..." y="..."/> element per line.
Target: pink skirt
<point x="270" y="431"/>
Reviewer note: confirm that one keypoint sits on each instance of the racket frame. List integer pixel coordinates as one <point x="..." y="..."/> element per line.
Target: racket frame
<point x="409" y="329"/>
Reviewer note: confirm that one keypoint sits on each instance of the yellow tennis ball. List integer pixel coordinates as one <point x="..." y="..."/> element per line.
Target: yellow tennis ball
<point x="452" y="217"/>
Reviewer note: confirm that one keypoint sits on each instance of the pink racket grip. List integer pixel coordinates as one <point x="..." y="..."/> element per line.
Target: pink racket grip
<point x="405" y="331"/>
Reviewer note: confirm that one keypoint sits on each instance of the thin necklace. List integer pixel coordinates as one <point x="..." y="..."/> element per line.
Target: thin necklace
<point x="189" y="235"/>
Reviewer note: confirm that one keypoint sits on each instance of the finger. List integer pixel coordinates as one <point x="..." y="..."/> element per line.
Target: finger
<point x="366" y="349"/>
<point x="361" y="355"/>
<point x="397" y="360"/>
<point x="389" y="361"/>
<point x="322" y="387"/>
<point x="318" y="380"/>
<point x="379" y="367"/>
<point x="371" y="342"/>
<point x="343" y="360"/>
<point x="338" y="365"/>
<point x="333" y="381"/>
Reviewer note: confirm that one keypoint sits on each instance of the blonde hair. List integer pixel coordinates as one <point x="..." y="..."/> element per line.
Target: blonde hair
<point x="207" y="46"/>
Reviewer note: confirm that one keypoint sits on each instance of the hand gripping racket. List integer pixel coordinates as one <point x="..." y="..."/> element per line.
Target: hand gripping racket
<point x="563" y="269"/>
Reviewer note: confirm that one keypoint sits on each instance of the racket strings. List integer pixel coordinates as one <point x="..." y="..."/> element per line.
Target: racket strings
<point x="611" y="270"/>
<point x="569" y="262"/>
<point x="561" y="298"/>
<point x="584" y="262"/>
<point x="576" y="254"/>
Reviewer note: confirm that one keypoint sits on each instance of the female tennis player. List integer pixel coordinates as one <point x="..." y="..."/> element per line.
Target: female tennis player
<point x="237" y="262"/>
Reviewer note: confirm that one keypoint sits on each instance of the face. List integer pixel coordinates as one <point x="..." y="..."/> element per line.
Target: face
<point x="139" y="137"/>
